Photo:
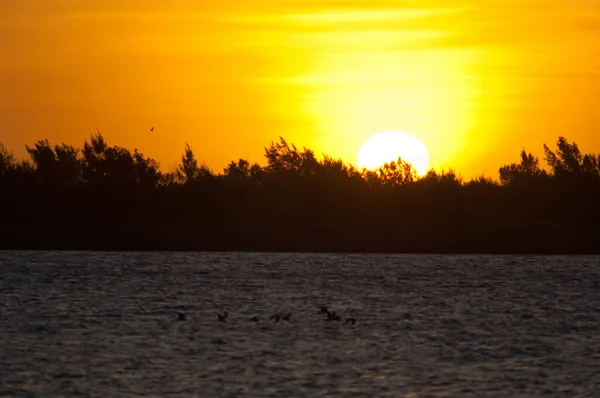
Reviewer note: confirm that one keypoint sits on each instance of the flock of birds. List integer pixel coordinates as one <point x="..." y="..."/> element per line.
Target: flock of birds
<point x="331" y="316"/>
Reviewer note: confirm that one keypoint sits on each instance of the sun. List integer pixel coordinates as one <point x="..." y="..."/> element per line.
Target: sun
<point x="388" y="146"/>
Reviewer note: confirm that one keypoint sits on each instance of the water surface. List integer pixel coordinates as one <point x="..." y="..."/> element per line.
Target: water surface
<point x="105" y="325"/>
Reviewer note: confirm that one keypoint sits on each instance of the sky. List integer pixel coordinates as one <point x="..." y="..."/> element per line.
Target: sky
<point x="476" y="81"/>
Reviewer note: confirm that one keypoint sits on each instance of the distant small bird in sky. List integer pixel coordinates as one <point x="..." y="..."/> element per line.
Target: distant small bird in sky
<point x="152" y="128"/>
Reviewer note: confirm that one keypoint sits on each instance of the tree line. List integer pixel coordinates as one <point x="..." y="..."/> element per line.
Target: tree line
<point x="111" y="198"/>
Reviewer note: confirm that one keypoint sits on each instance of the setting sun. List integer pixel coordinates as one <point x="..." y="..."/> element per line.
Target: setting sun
<point x="389" y="146"/>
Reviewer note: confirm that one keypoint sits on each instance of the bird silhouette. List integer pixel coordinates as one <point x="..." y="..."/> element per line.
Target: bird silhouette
<point x="222" y="317"/>
<point x="152" y="128"/>
<point x="332" y="316"/>
<point x="276" y="317"/>
<point x="255" y="319"/>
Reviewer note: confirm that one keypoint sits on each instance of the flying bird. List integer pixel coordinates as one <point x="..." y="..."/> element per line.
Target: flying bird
<point x="152" y="128"/>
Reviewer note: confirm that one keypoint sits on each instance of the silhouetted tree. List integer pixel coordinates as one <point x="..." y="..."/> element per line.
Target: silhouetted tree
<point x="243" y="171"/>
<point x="372" y="178"/>
<point x="523" y="172"/>
<point x="395" y="173"/>
<point x="147" y="171"/>
<point x="338" y="167"/>
<point x="94" y="160"/>
<point x="448" y="178"/>
<point x="482" y="180"/>
<point x="336" y="173"/>
<point x="113" y="168"/>
<point x="69" y="167"/>
<point x="44" y="160"/>
<point x="282" y="157"/>
<point x="576" y="186"/>
<point x="7" y="161"/>
<point x="106" y="196"/>
<point x="189" y="171"/>
<point x="568" y="159"/>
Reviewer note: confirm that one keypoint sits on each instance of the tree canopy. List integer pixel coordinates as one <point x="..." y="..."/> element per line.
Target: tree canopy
<point x="121" y="198"/>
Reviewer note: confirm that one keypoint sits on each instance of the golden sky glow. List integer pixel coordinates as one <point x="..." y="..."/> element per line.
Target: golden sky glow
<point x="475" y="81"/>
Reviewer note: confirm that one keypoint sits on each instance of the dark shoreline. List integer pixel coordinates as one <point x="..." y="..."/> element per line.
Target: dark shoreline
<point x="523" y="240"/>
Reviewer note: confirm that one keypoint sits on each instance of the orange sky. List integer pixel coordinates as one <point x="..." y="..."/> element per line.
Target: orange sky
<point x="476" y="81"/>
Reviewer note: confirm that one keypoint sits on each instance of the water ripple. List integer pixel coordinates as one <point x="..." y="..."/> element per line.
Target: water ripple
<point x="106" y="324"/>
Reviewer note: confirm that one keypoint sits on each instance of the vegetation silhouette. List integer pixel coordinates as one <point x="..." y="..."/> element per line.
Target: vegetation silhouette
<point x="110" y="198"/>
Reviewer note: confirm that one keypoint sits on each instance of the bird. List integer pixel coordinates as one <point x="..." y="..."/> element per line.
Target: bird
<point x="350" y="320"/>
<point x="222" y="317"/>
<point x="152" y="128"/>
<point x="181" y="316"/>
<point x="254" y="319"/>
<point x="332" y="316"/>
<point x="287" y="317"/>
<point x="276" y="317"/>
